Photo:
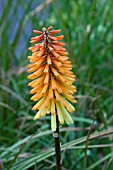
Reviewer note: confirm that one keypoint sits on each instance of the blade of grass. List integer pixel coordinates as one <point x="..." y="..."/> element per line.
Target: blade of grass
<point x="100" y="161"/>
<point x="17" y="96"/>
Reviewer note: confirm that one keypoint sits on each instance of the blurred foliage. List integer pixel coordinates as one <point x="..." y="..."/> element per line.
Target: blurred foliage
<point x="88" y="30"/>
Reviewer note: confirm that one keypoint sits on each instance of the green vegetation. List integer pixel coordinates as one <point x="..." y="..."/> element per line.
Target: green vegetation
<point x="88" y="29"/>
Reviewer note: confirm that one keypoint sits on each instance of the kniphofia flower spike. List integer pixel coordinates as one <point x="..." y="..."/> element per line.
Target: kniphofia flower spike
<point x="52" y="77"/>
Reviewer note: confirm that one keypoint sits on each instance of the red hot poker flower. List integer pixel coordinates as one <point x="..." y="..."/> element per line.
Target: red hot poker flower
<point x="51" y="77"/>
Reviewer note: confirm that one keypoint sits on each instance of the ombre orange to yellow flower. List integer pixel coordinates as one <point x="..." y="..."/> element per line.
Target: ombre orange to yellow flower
<point x="51" y="77"/>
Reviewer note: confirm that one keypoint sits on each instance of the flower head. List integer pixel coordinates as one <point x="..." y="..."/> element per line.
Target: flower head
<point x="51" y="77"/>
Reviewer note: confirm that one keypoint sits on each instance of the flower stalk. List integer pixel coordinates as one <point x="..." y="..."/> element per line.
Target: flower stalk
<point x="56" y="135"/>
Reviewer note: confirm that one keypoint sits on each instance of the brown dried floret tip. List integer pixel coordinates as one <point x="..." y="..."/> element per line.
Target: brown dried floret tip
<point x="51" y="77"/>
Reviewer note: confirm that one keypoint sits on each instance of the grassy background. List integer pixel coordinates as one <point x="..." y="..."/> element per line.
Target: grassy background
<point x="88" y="30"/>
